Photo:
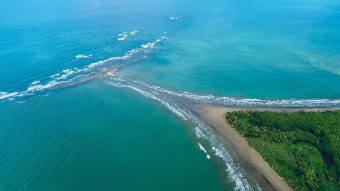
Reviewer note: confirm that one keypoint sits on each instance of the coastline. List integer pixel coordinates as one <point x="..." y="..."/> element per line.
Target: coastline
<point x="254" y="163"/>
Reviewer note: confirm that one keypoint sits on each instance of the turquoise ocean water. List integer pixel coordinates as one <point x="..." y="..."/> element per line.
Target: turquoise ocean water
<point x="65" y="127"/>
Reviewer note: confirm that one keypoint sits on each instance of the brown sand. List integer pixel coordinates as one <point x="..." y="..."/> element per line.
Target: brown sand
<point x="107" y="72"/>
<point x="267" y="178"/>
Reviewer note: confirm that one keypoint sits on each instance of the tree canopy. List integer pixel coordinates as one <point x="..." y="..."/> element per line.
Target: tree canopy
<point x="304" y="147"/>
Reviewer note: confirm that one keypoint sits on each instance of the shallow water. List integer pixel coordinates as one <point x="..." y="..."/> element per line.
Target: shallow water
<point x="95" y="137"/>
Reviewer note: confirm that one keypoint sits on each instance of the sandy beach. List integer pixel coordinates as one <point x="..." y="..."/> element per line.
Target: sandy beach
<point x="256" y="166"/>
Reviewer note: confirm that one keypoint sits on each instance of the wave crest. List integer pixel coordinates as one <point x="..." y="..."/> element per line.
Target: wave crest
<point x="73" y="76"/>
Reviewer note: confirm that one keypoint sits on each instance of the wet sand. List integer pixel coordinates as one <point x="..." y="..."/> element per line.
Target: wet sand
<point x="253" y="162"/>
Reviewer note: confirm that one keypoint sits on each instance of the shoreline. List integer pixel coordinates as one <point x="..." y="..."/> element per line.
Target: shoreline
<point x="255" y="165"/>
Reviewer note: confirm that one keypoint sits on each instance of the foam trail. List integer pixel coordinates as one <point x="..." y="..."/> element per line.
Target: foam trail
<point x="83" y="56"/>
<point x="203" y="132"/>
<point x="204" y="150"/>
<point x="8" y="95"/>
<point x="246" y="102"/>
<point x="124" y="35"/>
<point x="74" y="76"/>
<point x="172" y="107"/>
<point x="175" y="102"/>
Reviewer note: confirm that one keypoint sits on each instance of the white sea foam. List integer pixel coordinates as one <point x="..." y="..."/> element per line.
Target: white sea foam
<point x="39" y="87"/>
<point x="175" y="99"/>
<point x="124" y="35"/>
<point x="202" y="148"/>
<point x="173" y="18"/>
<point x="149" y="45"/>
<point x="205" y="151"/>
<point x="172" y="108"/>
<point x="133" y="32"/>
<point x="74" y="76"/>
<point x="55" y="75"/>
<point x="67" y="73"/>
<point x="144" y="48"/>
<point x="247" y="102"/>
<point x="233" y="170"/>
<point x="203" y="132"/>
<point x="35" y="82"/>
<point x="239" y="183"/>
<point x="6" y="95"/>
<point x="83" y="56"/>
<point x="172" y="100"/>
<point x="199" y="133"/>
<point x="122" y="38"/>
<point x="165" y="98"/>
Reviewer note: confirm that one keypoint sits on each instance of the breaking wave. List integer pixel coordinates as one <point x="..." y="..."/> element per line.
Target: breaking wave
<point x="176" y="102"/>
<point x="124" y="35"/>
<point x="74" y="76"/>
<point x="241" y="102"/>
<point x="176" y="105"/>
<point x="83" y="56"/>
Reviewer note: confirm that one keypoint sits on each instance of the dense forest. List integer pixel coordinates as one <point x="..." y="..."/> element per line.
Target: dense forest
<point x="303" y="147"/>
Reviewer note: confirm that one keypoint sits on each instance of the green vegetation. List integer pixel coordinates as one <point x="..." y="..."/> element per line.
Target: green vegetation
<point x="304" y="147"/>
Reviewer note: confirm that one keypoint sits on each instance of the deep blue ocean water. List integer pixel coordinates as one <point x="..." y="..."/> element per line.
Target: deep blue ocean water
<point x="63" y="126"/>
